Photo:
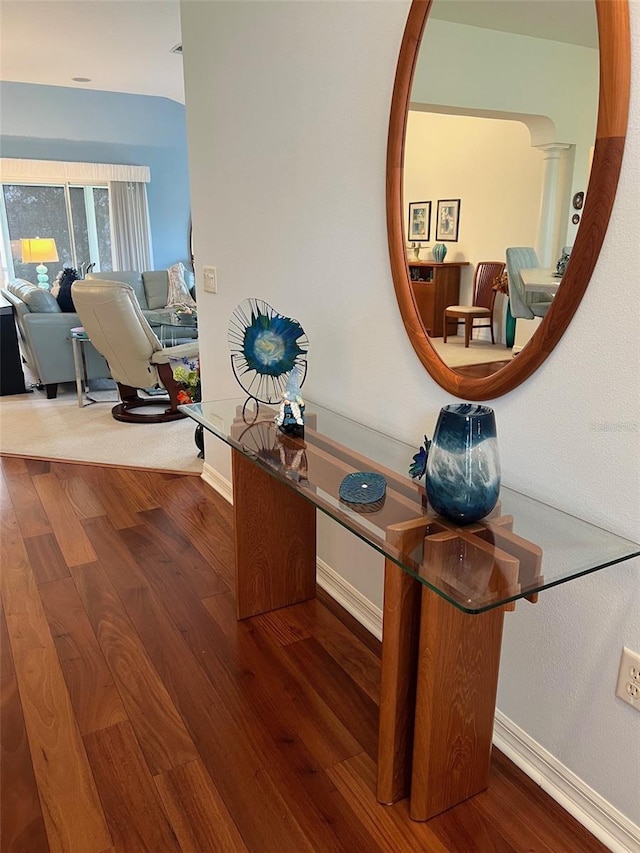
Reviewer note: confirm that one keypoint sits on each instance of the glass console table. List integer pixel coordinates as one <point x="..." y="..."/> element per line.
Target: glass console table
<point x="446" y="587"/>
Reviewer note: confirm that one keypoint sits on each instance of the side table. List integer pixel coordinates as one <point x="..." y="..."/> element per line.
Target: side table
<point x="79" y="338"/>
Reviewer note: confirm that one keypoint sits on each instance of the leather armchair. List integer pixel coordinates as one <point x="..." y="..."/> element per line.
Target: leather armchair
<point x="113" y="319"/>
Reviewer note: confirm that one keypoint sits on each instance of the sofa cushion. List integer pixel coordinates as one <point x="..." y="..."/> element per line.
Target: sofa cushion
<point x="37" y="300"/>
<point x="133" y="279"/>
<point x="156" y="285"/>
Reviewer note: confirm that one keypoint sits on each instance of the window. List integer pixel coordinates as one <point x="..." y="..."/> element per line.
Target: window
<point x="82" y="206"/>
<point x="77" y="217"/>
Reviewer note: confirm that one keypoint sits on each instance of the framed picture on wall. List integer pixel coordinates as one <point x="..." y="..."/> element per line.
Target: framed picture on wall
<point x="448" y="219"/>
<point x="419" y="221"/>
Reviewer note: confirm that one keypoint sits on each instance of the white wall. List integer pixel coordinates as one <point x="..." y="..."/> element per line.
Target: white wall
<point x="287" y="115"/>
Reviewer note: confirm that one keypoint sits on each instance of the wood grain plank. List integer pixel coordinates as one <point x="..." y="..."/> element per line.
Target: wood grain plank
<point x="65" y="525"/>
<point x="29" y="510"/>
<point x="314" y="619"/>
<point x="168" y="543"/>
<point x="21" y="822"/>
<point x="277" y="688"/>
<point x="336" y="687"/>
<point x="46" y="558"/>
<point x="119" y="508"/>
<point x="6" y="658"/>
<point x="93" y="692"/>
<point x="197" y="812"/>
<point x="530" y="811"/>
<point x="355" y="778"/>
<point x="134" y="813"/>
<point x="205" y="518"/>
<point x="13" y="466"/>
<point x="71" y="808"/>
<point x="213" y="708"/>
<point x="292" y="731"/>
<point x="158" y="726"/>
<point x="82" y="495"/>
<point x="145" y="489"/>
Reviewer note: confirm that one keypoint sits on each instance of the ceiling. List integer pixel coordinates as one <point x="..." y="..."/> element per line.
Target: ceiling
<point x="121" y="45"/>
<point x="125" y="45"/>
<point x="569" y="21"/>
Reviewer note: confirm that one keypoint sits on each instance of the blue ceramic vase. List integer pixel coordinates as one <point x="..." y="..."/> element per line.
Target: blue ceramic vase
<point x="463" y="467"/>
<point x="439" y="252"/>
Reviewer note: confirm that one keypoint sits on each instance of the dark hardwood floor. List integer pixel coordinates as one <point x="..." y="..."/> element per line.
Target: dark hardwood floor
<point x="137" y="714"/>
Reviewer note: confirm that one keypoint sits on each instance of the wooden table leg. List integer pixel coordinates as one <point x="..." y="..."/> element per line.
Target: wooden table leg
<point x="275" y="541"/>
<point x="458" y="664"/>
<point x="398" y="682"/>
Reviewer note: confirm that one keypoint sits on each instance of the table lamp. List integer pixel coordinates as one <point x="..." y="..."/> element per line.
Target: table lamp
<point x="40" y="250"/>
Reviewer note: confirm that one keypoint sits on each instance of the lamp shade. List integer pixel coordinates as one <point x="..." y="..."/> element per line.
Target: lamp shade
<point x="39" y="250"/>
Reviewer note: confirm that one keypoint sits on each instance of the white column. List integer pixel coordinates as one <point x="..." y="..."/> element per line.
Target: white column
<point x="552" y="195"/>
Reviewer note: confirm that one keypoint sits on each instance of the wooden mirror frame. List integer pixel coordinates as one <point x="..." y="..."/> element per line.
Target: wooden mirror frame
<point x="613" y="107"/>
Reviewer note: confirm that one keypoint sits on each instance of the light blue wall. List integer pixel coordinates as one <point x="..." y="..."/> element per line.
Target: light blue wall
<point x="56" y="123"/>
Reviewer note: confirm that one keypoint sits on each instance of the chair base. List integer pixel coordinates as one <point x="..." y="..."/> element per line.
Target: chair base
<point x="126" y="412"/>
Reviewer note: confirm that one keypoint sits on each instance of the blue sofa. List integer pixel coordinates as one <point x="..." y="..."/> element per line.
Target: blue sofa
<point x="43" y="329"/>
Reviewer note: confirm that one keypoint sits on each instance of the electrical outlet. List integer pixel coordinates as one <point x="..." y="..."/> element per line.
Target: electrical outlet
<point x="210" y="279"/>
<point x="628" y="688"/>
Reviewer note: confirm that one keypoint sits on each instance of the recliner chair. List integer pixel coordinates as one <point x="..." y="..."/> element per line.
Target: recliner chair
<point x="523" y="304"/>
<point x="117" y="328"/>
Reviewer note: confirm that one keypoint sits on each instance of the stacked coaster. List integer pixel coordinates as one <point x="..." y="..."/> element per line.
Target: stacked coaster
<point x="364" y="491"/>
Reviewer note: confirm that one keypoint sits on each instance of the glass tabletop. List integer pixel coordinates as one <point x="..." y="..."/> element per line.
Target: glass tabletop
<point x="523" y="547"/>
<point x="187" y="321"/>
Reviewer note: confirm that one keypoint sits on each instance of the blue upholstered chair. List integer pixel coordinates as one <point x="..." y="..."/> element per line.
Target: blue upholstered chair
<point x="523" y="304"/>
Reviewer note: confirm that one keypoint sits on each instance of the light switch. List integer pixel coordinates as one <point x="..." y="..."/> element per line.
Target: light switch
<point x="210" y="279"/>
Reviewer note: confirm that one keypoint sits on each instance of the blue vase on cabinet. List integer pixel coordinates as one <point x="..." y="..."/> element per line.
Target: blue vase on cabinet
<point x="439" y="252"/>
<point x="463" y="466"/>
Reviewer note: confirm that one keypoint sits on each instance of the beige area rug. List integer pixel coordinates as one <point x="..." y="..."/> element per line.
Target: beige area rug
<point x="455" y="354"/>
<point x="31" y="425"/>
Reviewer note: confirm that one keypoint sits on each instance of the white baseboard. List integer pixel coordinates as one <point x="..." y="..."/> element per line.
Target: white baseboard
<point x="609" y="826"/>
<point x="217" y="482"/>
<point x="604" y="821"/>
<point x="348" y="597"/>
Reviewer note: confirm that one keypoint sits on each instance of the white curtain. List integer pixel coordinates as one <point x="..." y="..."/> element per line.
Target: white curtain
<point x="63" y="172"/>
<point x="130" y="234"/>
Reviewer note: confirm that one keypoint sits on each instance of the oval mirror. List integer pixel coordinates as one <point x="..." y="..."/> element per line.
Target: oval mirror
<point x="527" y="162"/>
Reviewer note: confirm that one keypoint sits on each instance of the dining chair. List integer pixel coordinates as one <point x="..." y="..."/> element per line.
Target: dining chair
<point x="522" y="304"/>
<point x="484" y="297"/>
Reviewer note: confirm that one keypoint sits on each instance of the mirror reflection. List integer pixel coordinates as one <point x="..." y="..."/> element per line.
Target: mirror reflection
<point x="498" y="151"/>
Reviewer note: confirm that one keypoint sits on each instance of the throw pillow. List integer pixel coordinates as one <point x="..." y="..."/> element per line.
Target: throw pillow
<point x="65" y="301"/>
<point x="178" y="289"/>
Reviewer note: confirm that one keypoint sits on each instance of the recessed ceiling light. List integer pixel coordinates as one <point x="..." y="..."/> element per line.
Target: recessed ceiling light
<point x="81" y="79"/>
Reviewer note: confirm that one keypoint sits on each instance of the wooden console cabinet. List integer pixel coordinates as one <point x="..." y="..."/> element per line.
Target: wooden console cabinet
<point x="435" y="286"/>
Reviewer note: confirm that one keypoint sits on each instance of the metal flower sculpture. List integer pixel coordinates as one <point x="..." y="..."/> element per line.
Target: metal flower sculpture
<point x="418" y="467"/>
<point x="265" y="348"/>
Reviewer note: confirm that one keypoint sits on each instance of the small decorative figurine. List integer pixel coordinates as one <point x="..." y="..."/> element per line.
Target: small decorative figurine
<point x="290" y="418"/>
